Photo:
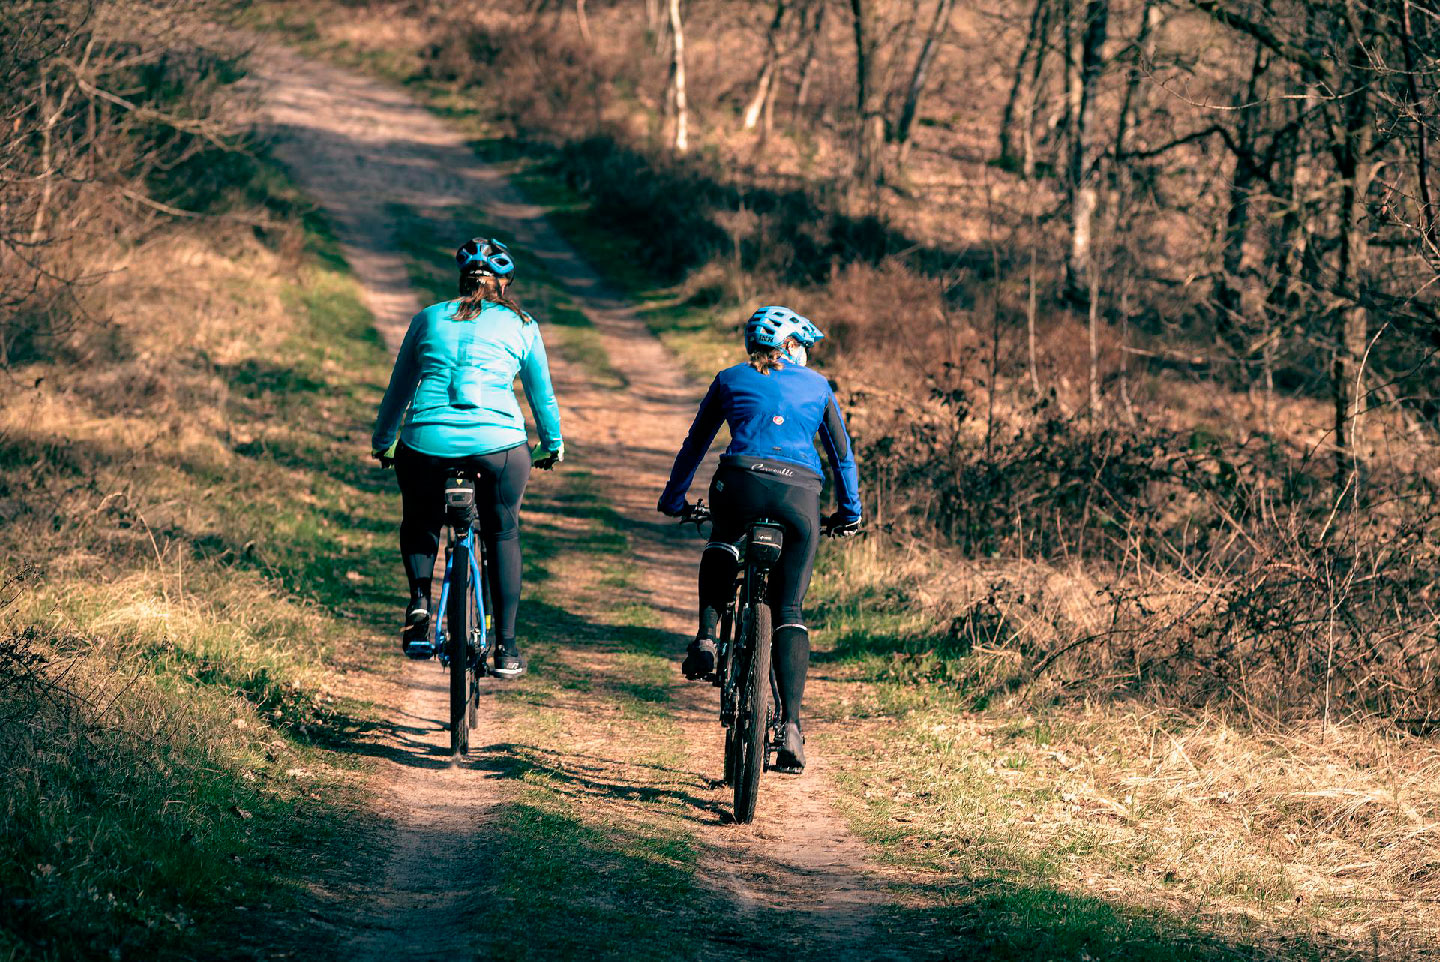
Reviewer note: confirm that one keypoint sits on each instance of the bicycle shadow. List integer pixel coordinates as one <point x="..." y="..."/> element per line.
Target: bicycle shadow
<point x="595" y="777"/>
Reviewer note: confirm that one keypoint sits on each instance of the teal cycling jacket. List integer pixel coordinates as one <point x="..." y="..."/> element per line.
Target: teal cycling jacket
<point x="458" y="377"/>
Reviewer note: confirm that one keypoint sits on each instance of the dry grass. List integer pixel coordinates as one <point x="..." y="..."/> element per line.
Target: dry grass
<point x="178" y="601"/>
<point x="1301" y="834"/>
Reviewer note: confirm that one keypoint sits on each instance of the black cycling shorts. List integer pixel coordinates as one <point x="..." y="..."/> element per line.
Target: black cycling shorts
<point x="739" y="496"/>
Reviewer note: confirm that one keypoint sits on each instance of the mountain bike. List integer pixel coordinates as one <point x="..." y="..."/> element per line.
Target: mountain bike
<point x="749" y="692"/>
<point x="461" y="638"/>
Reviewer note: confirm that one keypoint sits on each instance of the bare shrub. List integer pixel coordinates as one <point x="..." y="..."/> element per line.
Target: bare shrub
<point x="103" y="103"/>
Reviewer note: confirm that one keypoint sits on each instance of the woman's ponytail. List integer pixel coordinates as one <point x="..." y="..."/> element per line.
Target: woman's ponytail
<point x="478" y="288"/>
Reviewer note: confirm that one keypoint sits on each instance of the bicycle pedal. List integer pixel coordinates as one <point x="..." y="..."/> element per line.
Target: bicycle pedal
<point x="418" y="651"/>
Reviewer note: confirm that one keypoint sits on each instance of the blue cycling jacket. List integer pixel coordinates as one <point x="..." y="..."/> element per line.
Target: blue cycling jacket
<point x="458" y="379"/>
<point x="773" y="421"/>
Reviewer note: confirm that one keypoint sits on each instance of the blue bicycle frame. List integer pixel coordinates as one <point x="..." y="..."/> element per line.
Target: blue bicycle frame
<point x="464" y="545"/>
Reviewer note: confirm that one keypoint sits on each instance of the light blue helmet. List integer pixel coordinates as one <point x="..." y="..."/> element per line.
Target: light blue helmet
<point x="484" y="255"/>
<point x="772" y="326"/>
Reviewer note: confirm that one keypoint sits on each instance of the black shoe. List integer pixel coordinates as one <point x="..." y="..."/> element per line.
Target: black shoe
<point x="415" y="639"/>
<point x="699" y="658"/>
<point x="508" y="663"/>
<point x="790" y="756"/>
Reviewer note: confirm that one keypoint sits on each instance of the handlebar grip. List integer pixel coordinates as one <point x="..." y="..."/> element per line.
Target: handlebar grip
<point x="696" y="514"/>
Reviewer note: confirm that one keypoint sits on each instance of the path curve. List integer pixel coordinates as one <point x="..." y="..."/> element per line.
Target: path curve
<point x="360" y="148"/>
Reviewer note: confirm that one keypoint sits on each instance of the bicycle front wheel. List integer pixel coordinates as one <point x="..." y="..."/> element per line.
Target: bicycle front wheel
<point x="476" y="655"/>
<point x="459" y="620"/>
<point x="751" y="719"/>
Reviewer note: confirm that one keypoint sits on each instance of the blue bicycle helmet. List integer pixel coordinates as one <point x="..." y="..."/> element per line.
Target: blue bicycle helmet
<point x="771" y="326"/>
<point x="487" y="256"/>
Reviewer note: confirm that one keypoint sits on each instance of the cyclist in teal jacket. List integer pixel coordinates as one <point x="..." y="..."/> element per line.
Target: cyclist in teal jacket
<point x="453" y="386"/>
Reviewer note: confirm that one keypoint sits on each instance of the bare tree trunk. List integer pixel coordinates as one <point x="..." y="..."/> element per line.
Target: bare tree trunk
<point x="1133" y="104"/>
<point x="1033" y="95"/>
<point x="765" y="85"/>
<point x="1081" y="187"/>
<point x="677" y="79"/>
<point x="1123" y="263"/>
<point x="47" y="172"/>
<point x="938" y="28"/>
<point x="1225" y="291"/>
<point x="756" y="107"/>
<point x="1030" y="303"/>
<point x="583" y="20"/>
<point x="654" y="25"/>
<point x="1356" y="168"/>
<point x="868" y="100"/>
<point x="1422" y="151"/>
<point x="1034" y="46"/>
<point x="1094" y="330"/>
<point x="817" y="30"/>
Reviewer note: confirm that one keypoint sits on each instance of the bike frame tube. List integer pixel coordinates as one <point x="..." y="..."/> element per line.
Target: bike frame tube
<point x="467" y="545"/>
<point x="444" y="597"/>
<point x="475" y="575"/>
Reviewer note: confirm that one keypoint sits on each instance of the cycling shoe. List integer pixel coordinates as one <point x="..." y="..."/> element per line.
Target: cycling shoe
<point x="415" y="639"/>
<point x="418" y="614"/>
<point x="790" y="755"/>
<point x="508" y="662"/>
<point x="699" y="659"/>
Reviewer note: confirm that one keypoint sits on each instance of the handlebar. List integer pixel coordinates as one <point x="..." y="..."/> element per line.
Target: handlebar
<point x="699" y="513"/>
<point x="696" y="514"/>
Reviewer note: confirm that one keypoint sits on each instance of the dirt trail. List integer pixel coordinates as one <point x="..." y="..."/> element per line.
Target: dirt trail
<point x="361" y="148"/>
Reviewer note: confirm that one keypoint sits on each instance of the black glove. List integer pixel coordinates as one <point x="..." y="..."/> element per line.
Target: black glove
<point x="384" y="457"/>
<point x="839" y="526"/>
<point x="545" y="459"/>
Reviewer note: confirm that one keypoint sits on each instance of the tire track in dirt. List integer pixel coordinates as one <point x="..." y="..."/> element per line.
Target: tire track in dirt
<point x="362" y="149"/>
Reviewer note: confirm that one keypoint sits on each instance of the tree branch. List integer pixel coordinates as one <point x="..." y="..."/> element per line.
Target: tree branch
<point x="1222" y="14"/>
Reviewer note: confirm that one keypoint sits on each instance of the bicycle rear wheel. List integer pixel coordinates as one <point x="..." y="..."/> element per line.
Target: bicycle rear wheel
<point x="725" y="677"/>
<point x="751" y="720"/>
<point x="460" y="617"/>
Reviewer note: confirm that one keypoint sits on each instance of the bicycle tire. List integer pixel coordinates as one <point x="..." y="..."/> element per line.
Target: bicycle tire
<point x="472" y="673"/>
<point x="477" y="666"/>
<point x="460" y="607"/>
<point x="751" y="720"/>
<point x="724" y="671"/>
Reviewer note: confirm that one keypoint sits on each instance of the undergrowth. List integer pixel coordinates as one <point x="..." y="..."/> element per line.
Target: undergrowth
<point x="190" y="540"/>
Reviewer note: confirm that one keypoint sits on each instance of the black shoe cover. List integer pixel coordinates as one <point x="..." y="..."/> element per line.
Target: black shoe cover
<point x="790" y="757"/>
<point x="699" y="659"/>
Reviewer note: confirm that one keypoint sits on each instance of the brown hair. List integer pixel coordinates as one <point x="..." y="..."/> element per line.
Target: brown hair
<point x="478" y="289"/>
<point x="767" y="359"/>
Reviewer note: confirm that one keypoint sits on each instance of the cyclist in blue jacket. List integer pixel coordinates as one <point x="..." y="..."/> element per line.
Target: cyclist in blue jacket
<point x="775" y="406"/>
<point x="455" y="374"/>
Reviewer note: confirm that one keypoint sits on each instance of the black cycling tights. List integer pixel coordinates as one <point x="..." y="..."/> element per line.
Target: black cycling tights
<point x="737" y="497"/>
<point x="501" y="484"/>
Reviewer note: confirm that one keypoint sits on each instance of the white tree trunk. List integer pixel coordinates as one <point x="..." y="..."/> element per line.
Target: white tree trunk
<point x="762" y="96"/>
<point x="677" y="79"/>
<point x="583" y="20"/>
